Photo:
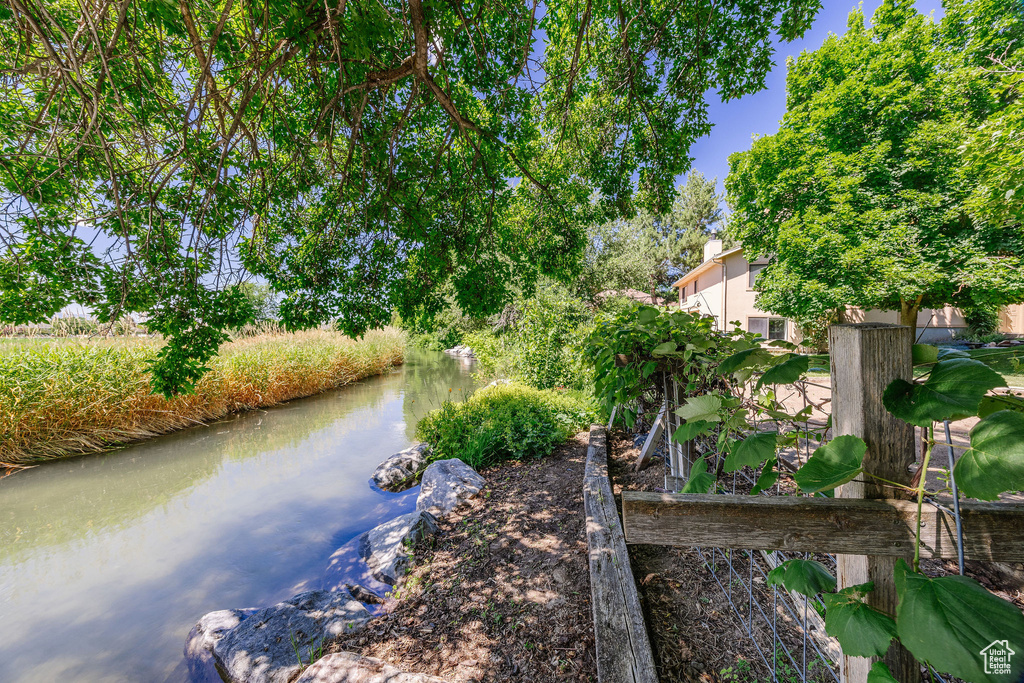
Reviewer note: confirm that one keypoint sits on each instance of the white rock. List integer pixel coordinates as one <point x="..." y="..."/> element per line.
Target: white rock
<point x="204" y="635"/>
<point x="266" y="647"/>
<point x="379" y="557"/>
<point x="386" y="548"/>
<point x="347" y="566"/>
<point x="447" y="485"/>
<point x="400" y="471"/>
<point x="460" y="350"/>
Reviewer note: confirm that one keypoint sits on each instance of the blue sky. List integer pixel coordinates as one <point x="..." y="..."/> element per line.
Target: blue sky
<point x="736" y="121"/>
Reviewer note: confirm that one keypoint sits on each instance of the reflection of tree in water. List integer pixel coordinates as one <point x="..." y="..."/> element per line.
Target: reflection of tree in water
<point x="62" y="501"/>
<point x="428" y="376"/>
<point x="293" y="422"/>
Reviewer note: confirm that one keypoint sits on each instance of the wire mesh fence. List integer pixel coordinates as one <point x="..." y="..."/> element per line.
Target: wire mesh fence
<point x="786" y="629"/>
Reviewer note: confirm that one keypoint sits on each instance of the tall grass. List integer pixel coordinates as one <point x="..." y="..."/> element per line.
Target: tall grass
<point x="66" y="397"/>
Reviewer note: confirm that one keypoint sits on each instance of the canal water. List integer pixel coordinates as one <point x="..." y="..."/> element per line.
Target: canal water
<point x="107" y="561"/>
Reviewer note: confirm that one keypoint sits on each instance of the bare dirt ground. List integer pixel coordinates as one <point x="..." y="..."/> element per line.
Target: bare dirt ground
<point x="503" y="592"/>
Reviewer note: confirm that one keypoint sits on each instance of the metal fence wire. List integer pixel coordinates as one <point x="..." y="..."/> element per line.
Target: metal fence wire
<point x="786" y="629"/>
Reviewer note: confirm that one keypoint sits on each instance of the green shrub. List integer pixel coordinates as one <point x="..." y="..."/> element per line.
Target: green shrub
<point x="616" y="304"/>
<point x="544" y="347"/>
<point x="505" y="422"/>
<point x="439" y="330"/>
<point x="982" y="321"/>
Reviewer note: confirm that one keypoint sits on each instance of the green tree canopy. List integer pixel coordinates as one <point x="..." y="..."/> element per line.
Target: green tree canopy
<point x="356" y="154"/>
<point x="863" y="198"/>
<point x="646" y="252"/>
<point x="262" y="301"/>
<point x="995" y="151"/>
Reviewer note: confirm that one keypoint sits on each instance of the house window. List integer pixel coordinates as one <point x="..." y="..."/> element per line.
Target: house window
<point x="769" y="328"/>
<point x="753" y="270"/>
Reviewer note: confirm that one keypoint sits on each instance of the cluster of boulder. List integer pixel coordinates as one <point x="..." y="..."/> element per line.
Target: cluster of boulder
<point x="276" y="644"/>
<point x="461" y="350"/>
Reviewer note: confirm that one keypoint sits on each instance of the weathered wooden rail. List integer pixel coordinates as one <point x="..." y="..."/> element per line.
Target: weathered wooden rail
<point x="620" y="634"/>
<point x="855" y="526"/>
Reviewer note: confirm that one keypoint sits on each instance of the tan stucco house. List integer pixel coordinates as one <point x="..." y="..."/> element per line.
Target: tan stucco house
<point x="722" y="286"/>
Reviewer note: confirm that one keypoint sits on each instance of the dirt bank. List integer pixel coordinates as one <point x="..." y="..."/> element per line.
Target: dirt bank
<point x="503" y="593"/>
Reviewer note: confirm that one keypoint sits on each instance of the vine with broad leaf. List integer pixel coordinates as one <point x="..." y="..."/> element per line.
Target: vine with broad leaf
<point x="730" y="381"/>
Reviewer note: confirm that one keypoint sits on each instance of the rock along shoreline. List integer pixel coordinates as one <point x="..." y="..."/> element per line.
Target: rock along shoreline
<point x="286" y="642"/>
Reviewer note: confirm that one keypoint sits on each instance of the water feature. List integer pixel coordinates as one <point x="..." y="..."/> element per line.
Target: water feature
<point x="107" y="561"/>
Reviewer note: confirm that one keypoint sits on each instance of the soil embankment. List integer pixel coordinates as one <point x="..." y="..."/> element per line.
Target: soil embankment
<point x="503" y="591"/>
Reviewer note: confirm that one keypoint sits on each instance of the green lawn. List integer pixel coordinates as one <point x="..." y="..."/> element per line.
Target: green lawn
<point x="1008" y="362"/>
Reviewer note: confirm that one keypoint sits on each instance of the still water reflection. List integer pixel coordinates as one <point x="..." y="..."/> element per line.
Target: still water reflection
<point x="107" y="561"/>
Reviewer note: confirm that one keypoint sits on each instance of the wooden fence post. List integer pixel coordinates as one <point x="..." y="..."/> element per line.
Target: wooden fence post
<point x="865" y="358"/>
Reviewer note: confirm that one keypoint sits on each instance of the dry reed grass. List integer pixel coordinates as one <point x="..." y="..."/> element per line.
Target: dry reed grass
<point x="66" y="397"/>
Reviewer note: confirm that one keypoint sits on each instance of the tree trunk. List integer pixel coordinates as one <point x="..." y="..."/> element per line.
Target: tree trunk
<point x="908" y="315"/>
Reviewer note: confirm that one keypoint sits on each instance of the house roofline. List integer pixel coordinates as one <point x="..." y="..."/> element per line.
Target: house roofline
<point x="704" y="267"/>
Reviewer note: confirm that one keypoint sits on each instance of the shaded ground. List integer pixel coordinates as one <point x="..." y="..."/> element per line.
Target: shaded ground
<point x="504" y="593"/>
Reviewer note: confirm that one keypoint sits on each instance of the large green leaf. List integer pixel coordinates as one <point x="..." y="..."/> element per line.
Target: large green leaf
<point x="751" y="452"/>
<point x="925" y="353"/>
<point x="769" y="475"/>
<point x="808" y="577"/>
<point x="700" y="481"/>
<point x="704" y="408"/>
<point x="861" y="630"/>
<point x="698" y="345"/>
<point x="664" y="348"/>
<point x="690" y="430"/>
<point x="995" y="461"/>
<point x="953" y="390"/>
<point x="832" y="465"/>
<point x="646" y="314"/>
<point x="948" y="621"/>
<point x="880" y="674"/>
<point x="785" y="372"/>
<point x="993" y="404"/>
<point x="744" y="359"/>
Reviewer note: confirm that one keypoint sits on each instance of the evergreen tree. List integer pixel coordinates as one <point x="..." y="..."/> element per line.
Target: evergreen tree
<point x="647" y="252"/>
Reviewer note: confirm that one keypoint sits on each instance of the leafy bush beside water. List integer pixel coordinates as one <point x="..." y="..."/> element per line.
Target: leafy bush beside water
<point x="442" y="329"/>
<point x="505" y="422"/>
<point x="544" y="346"/>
